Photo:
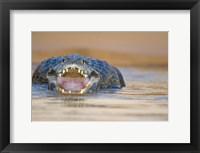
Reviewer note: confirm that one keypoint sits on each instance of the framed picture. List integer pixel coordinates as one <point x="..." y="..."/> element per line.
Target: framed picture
<point x="100" y="76"/>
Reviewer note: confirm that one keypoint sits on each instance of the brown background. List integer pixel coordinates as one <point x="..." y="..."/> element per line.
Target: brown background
<point x="118" y="48"/>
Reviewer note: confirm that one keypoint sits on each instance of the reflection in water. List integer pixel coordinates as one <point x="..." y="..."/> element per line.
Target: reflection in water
<point x="145" y="98"/>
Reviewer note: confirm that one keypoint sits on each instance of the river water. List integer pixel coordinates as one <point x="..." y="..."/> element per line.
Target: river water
<point x="145" y="98"/>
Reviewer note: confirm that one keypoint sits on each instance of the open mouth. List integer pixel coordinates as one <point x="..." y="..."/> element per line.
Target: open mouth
<point x="73" y="80"/>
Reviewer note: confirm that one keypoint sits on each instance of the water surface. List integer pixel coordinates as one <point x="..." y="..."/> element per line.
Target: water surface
<point x="145" y="98"/>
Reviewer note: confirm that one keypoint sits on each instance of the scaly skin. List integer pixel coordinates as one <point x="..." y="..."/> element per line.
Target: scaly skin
<point x="103" y="75"/>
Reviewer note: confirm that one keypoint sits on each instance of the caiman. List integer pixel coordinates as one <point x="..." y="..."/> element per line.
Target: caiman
<point x="76" y="74"/>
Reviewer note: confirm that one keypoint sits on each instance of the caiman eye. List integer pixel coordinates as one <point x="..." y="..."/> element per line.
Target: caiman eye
<point x="51" y="72"/>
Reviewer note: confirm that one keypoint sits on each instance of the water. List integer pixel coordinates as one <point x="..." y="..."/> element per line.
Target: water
<point x="145" y="98"/>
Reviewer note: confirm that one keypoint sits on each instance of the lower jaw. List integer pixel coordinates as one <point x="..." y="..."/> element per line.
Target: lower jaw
<point x="72" y="85"/>
<point x="74" y="91"/>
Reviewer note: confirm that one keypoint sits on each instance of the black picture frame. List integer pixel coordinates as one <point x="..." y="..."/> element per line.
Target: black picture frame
<point x="7" y="5"/>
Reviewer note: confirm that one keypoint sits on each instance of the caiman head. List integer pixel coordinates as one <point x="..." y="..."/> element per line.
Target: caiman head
<point x="73" y="77"/>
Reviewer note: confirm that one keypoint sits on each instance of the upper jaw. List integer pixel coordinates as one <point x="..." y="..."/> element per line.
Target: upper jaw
<point x="79" y="69"/>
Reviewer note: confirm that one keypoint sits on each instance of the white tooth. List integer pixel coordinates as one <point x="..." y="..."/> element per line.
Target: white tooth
<point x="59" y="75"/>
<point x="63" y="71"/>
<point x="69" y="91"/>
<point x="82" y="90"/>
<point x="63" y="90"/>
<point x="79" y="71"/>
<point x="85" y="75"/>
<point x="66" y="70"/>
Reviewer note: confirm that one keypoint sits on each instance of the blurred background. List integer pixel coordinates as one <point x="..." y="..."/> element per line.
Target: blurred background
<point x="146" y="49"/>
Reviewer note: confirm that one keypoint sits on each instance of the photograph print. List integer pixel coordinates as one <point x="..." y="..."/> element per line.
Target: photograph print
<point x="99" y="76"/>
